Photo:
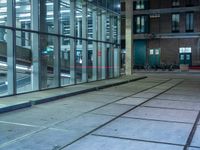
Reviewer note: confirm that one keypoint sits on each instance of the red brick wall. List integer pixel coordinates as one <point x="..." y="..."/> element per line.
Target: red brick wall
<point x="165" y="23"/>
<point x="154" y="25"/>
<point x="170" y="49"/>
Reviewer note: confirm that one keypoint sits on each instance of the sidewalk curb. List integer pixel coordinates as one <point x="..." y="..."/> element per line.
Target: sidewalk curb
<point x="54" y="98"/>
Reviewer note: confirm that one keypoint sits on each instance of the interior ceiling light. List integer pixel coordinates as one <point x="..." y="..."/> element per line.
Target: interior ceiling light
<point x="49" y="4"/>
<point x="25" y="15"/>
<point x="3" y="1"/>
<point x="3" y="9"/>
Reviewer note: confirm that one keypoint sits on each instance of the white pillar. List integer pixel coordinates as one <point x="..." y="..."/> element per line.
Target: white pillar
<point x="111" y="64"/>
<point x="104" y="47"/>
<point x="84" y="43"/>
<point x="35" y="74"/>
<point x="11" y="47"/>
<point x="99" y="52"/>
<point x="95" y="46"/>
<point x="117" y="53"/>
<point x="72" y="42"/>
<point x="56" y="43"/>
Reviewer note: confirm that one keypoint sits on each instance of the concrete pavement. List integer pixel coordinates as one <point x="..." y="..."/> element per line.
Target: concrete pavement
<point x="156" y="113"/>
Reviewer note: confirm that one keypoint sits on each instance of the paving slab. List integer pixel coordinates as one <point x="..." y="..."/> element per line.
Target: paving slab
<point x="113" y="93"/>
<point x="112" y="109"/>
<point x="196" y="138"/>
<point x="132" y="101"/>
<point x="192" y="148"/>
<point x="173" y="104"/>
<point x="106" y="143"/>
<point x="84" y="123"/>
<point x="145" y="95"/>
<point x="183" y="92"/>
<point x="155" y="90"/>
<point x="49" y="139"/>
<point x="10" y="131"/>
<point x="175" y="133"/>
<point x="184" y="116"/>
<point x="91" y="97"/>
<point x="72" y="105"/>
<point x="39" y="116"/>
<point x="187" y="98"/>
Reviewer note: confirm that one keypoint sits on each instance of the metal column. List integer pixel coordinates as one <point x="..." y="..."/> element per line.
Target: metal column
<point x="35" y="74"/>
<point x="111" y="61"/>
<point x="84" y="43"/>
<point x="117" y="53"/>
<point x="11" y="47"/>
<point x="99" y="52"/>
<point x="104" y="47"/>
<point x="72" y="42"/>
<point x="95" y="46"/>
<point x="56" y="12"/>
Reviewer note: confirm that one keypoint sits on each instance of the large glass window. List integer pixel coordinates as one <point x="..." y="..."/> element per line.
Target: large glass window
<point x="141" y="4"/>
<point x="175" y="3"/>
<point x="43" y="44"/>
<point x="175" y="22"/>
<point x="141" y="24"/>
<point x="3" y="63"/>
<point x="189" y="22"/>
<point x="3" y="12"/>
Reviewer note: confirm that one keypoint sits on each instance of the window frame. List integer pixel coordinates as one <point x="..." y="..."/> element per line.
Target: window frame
<point x="191" y="22"/>
<point x="177" y="28"/>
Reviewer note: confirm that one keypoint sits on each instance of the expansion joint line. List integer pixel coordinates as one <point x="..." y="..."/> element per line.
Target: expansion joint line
<point x="134" y="107"/>
<point x="191" y="135"/>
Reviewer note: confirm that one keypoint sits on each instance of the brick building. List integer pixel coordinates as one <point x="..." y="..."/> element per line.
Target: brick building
<point x="162" y="31"/>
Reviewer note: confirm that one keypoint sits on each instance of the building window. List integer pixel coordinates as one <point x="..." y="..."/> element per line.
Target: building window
<point x="189" y="22"/>
<point x="175" y="22"/>
<point x="141" y="5"/>
<point x="175" y="3"/>
<point x="141" y="24"/>
<point x="123" y="6"/>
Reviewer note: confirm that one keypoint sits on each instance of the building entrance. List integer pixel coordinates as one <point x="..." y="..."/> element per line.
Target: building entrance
<point x="154" y="57"/>
<point x="185" y="56"/>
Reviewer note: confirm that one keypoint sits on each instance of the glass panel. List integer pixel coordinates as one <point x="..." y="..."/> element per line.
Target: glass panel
<point x="23" y="14"/>
<point x="188" y="57"/>
<point x="90" y="60"/>
<point x="175" y="22"/>
<point x="108" y="28"/>
<point x="23" y="62"/>
<point x="188" y="50"/>
<point x="65" y="62"/>
<point x="49" y="16"/>
<point x="65" y="42"/>
<point x="189" y="21"/>
<point x="90" y="23"/>
<point x="115" y="30"/>
<point x="79" y="61"/>
<point x="79" y="18"/>
<point x="3" y="63"/>
<point x="47" y="61"/>
<point x="182" y="57"/>
<point x="151" y="51"/>
<point x="157" y="51"/>
<point x="3" y="12"/>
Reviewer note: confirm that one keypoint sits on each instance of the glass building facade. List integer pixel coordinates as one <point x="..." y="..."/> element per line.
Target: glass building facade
<point x="52" y="43"/>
